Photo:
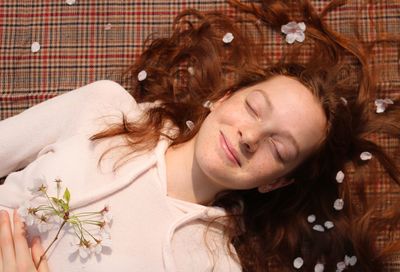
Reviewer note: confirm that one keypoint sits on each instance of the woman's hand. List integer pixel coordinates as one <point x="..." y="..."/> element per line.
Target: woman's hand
<point x="15" y="255"/>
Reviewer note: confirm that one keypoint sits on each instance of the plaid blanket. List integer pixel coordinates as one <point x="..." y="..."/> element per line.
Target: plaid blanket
<point x="78" y="43"/>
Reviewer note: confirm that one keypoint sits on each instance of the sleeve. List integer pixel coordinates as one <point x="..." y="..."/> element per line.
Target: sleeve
<point x="24" y="135"/>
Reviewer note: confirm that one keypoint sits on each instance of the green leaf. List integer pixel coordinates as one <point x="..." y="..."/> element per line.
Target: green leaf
<point x="67" y="195"/>
<point x="56" y="201"/>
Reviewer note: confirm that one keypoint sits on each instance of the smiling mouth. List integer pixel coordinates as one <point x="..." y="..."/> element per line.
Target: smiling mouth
<point x="228" y="149"/>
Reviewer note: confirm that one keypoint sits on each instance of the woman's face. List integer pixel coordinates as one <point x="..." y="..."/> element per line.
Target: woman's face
<point x="259" y="134"/>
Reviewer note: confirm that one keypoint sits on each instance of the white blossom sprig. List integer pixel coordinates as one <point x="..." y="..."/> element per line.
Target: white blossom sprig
<point x="56" y="213"/>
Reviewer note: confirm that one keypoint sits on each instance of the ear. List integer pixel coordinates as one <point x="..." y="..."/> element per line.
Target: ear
<point x="279" y="183"/>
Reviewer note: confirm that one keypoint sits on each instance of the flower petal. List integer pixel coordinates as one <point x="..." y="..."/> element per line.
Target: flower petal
<point x="190" y="124"/>
<point x="35" y="47"/>
<point x="302" y="26"/>
<point x="311" y="218"/>
<point x="318" y="228"/>
<point x="340" y="176"/>
<point x="290" y="38"/>
<point x="365" y="156"/>
<point x="329" y="224"/>
<point x="319" y="267"/>
<point x="300" y="37"/>
<point x="298" y="262"/>
<point x="338" y="204"/>
<point x="228" y="37"/>
<point x="341" y="266"/>
<point x="142" y="75"/>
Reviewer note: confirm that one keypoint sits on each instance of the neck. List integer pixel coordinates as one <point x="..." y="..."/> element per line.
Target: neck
<point x="185" y="180"/>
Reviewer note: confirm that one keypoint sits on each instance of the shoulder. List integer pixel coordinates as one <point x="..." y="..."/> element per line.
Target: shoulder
<point x="108" y="92"/>
<point x="101" y="103"/>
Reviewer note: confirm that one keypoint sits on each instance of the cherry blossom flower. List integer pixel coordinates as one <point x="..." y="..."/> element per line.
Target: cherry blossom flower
<point x="27" y="213"/>
<point x="82" y="246"/>
<point x="294" y="31"/>
<point x="298" y="262"/>
<point x="103" y="241"/>
<point x="107" y="214"/>
<point x="381" y="104"/>
<point x="43" y="223"/>
<point x="39" y="187"/>
<point x="228" y="37"/>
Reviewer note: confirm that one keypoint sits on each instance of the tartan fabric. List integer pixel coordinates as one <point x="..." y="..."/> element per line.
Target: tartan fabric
<point x="97" y="39"/>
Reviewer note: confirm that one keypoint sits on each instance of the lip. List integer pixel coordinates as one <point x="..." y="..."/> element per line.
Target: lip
<point x="229" y="150"/>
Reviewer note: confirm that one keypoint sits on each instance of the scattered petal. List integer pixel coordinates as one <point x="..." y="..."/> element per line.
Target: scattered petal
<point x="294" y="31"/>
<point x="228" y="37"/>
<point x="298" y="262"/>
<point x="108" y="26"/>
<point x="344" y="101"/>
<point x="365" y="156"/>
<point x="340" y="177"/>
<point x="341" y="266"/>
<point x="70" y="2"/>
<point x="207" y="104"/>
<point x="338" y="204"/>
<point x="329" y="224"/>
<point x="190" y="124"/>
<point x="35" y="47"/>
<point x="353" y="260"/>
<point x="318" y="228"/>
<point x="311" y="218"/>
<point x="191" y="70"/>
<point x="142" y="75"/>
<point x="319" y="267"/>
<point x="381" y="104"/>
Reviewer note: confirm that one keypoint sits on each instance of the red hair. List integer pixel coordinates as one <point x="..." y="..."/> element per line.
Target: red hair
<point x="270" y="230"/>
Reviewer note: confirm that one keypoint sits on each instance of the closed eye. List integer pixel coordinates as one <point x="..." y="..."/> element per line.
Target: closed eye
<point x="251" y="110"/>
<point x="276" y="152"/>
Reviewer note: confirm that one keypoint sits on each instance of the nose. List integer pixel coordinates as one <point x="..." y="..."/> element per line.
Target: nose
<point x="250" y="138"/>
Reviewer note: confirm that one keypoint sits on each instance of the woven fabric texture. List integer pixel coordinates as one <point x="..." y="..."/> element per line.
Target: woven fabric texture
<point x="97" y="39"/>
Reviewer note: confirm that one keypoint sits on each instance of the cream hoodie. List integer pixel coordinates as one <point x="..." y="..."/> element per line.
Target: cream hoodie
<point x="150" y="231"/>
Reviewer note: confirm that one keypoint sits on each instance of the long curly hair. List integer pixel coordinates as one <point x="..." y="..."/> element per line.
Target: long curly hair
<point x="270" y="230"/>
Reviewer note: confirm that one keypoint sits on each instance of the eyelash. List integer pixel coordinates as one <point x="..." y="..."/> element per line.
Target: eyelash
<point x="277" y="152"/>
<point x="253" y="112"/>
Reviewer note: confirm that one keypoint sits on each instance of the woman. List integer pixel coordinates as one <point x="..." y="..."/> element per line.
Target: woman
<point x="217" y="130"/>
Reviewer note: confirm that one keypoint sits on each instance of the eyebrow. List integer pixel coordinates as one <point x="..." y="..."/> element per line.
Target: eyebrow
<point x="285" y="133"/>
